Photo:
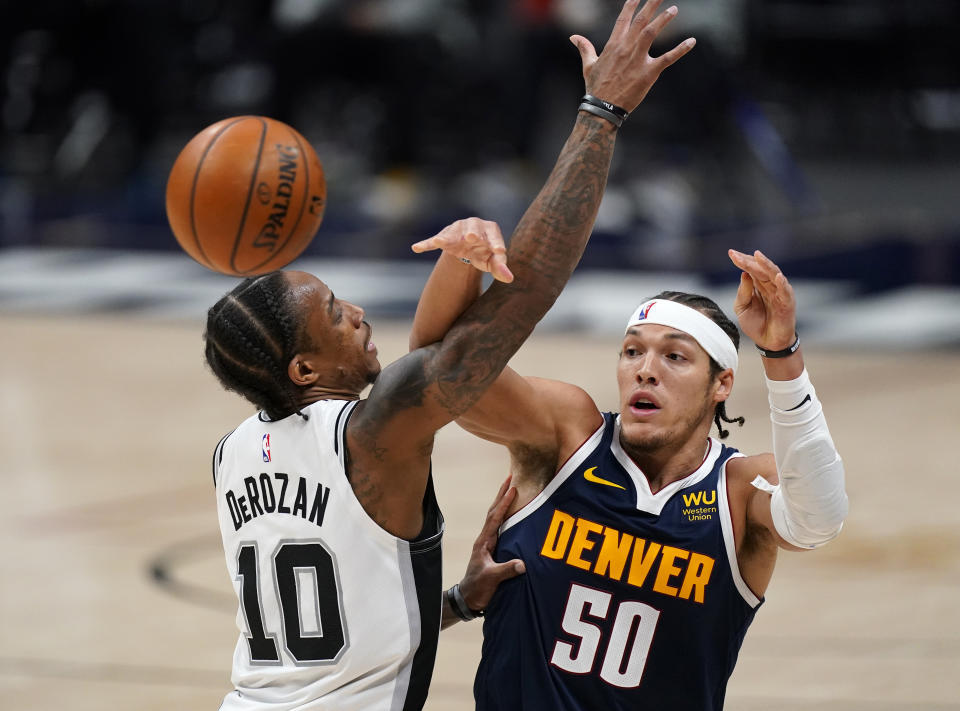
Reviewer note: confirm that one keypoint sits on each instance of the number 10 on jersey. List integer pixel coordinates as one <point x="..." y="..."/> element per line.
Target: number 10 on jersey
<point x="291" y="562"/>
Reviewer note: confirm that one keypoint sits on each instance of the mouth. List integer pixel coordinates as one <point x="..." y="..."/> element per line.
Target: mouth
<point x="370" y="346"/>
<point x="644" y="405"/>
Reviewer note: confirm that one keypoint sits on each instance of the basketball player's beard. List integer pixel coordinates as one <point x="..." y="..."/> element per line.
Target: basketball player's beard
<point x="675" y="437"/>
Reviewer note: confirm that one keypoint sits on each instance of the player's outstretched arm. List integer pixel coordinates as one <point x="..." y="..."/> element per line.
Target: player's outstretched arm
<point x="548" y="242"/>
<point x="392" y="431"/>
<point x="809" y="505"/>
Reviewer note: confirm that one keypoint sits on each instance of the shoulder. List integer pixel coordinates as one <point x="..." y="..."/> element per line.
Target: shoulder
<point x="750" y="481"/>
<point x="330" y="408"/>
<point x="253" y="423"/>
<point x="558" y="393"/>
<point x="576" y="416"/>
<point x="743" y="471"/>
<point x="571" y="410"/>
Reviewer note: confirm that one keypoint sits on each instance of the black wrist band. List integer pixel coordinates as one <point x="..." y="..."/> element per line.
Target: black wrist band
<point x="784" y="353"/>
<point x="606" y="105"/>
<point x="602" y="113"/>
<point x="459" y="605"/>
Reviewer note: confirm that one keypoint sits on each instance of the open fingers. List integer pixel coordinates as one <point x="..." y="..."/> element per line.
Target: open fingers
<point x="677" y="52"/>
<point x="648" y="32"/>
<point x="626" y="16"/>
<point x="647" y="13"/>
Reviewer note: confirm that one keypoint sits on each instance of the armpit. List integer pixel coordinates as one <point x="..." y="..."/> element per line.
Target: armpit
<point x="534" y="465"/>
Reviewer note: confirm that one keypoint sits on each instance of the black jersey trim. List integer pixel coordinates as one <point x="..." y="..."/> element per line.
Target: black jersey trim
<point x="426" y="561"/>
<point x="340" y="431"/>
<point x="218" y="456"/>
<point x="431" y="534"/>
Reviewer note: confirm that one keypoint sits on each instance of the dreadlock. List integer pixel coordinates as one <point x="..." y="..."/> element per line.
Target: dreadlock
<point x="252" y="334"/>
<point x="709" y="308"/>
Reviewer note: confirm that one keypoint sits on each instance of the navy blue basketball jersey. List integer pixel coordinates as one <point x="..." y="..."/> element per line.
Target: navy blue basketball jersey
<point x="631" y="600"/>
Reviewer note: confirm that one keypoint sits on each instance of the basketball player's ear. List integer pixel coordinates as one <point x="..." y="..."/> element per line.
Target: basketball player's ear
<point x="723" y="385"/>
<point x="302" y="371"/>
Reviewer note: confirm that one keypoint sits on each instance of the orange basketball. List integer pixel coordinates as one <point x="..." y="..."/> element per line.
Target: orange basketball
<point x="246" y="195"/>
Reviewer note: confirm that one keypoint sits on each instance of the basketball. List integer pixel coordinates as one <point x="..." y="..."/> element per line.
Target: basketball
<point x="246" y="195"/>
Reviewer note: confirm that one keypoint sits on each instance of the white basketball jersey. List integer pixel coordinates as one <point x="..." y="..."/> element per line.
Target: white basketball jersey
<point x="335" y="612"/>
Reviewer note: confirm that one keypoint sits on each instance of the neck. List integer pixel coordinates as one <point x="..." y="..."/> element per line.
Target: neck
<point x="662" y="465"/>
<point x="316" y="392"/>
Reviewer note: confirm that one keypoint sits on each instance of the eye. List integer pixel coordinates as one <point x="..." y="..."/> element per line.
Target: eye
<point x="676" y="356"/>
<point x="339" y="316"/>
<point x="630" y="352"/>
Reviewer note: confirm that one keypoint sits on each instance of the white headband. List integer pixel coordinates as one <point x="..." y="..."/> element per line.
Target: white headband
<point x="709" y="335"/>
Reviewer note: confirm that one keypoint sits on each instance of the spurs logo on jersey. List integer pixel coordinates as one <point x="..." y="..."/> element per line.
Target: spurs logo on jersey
<point x="333" y="611"/>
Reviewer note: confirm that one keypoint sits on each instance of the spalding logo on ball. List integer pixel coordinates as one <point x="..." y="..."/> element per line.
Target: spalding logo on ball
<point x="246" y="195"/>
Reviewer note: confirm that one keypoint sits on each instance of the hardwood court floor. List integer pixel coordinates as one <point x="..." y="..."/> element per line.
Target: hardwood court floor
<point x="113" y="592"/>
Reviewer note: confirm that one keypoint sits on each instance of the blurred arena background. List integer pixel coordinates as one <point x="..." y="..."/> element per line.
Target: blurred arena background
<point x="826" y="133"/>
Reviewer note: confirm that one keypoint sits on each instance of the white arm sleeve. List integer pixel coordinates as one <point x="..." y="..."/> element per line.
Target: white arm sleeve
<point x="810" y="503"/>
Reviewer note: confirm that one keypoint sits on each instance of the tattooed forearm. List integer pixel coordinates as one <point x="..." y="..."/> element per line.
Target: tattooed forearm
<point x="552" y="234"/>
<point x="462" y="377"/>
<point x="544" y="250"/>
<point x="446" y="379"/>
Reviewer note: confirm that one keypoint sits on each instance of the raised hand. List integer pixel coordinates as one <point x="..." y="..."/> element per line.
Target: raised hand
<point x="625" y="71"/>
<point x="483" y="573"/>
<point x="765" y="305"/>
<point x="478" y="241"/>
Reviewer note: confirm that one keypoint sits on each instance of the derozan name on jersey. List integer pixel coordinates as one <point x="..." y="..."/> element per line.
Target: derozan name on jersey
<point x="277" y="493"/>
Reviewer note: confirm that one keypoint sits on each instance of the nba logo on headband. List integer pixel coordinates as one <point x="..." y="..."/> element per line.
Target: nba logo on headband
<point x="708" y="334"/>
<point x="644" y="311"/>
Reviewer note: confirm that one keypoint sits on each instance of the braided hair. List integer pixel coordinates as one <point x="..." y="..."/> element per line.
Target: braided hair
<point x="252" y="334"/>
<point x="709" y="308"/>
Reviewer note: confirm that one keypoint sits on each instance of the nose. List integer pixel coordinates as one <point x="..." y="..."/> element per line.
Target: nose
<point x="356" y="315"/>
<point x="646" y="369"/>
